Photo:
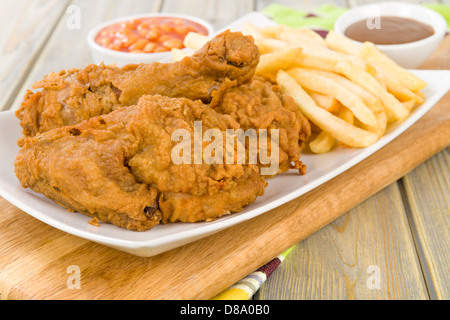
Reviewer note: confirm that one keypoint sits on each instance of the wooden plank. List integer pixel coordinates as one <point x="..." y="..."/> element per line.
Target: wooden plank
<point x="344" y="260"/>
<point x="219" y="13"/>
<point x="440" y="58"/>
<point x="202" y="269"/>
<point x="67" y="48"/>
<point x="427" y="190"/>
<point x="23" y="36"/>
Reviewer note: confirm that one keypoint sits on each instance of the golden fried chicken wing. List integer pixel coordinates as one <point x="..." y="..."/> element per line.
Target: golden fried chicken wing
<point x="119" y="167"/>
<point x="100" y="140"/>
<point x="261" y="105"/>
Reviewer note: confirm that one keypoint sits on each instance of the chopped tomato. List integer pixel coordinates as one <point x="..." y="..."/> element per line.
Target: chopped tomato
<point x="148" y="35"/>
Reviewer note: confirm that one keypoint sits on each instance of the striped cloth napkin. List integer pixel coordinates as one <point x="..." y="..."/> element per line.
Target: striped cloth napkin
<point x="245" y="288"/>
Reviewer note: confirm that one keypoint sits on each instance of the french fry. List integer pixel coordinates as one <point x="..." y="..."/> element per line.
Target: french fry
<point x="269" y="45"/>
<point x="349" y="92"/>
<point x="195" y="41"/>
<point x="278" y="38"/>
<point x="370" y="53"/>
<point x="398" y="89"/>
<point x="402" y="93"/>
<point x="251" y="30"/>
<point x="341" y="43"/>
<point x="293" y="35"/>
<point x="323" y="143"/>
<point x="380" y="129"/>
<point x="270" y="31"/>
<point x="381" y="80"/>
<point x="271" y="62"/>
<point x="396" y="79"/>
<point x="368" y="82"/>
<point x="300" y="37"/>
<point x="178" y="54"/>
<point x="320" y="82"/>
<point x="318" y="58"/>
<point x="390" y="116"/>
<point x="336" y="127"/>
<point x="420" y="94"/>
<point x="324" y="101"/>
<point x="409" y="105"/>
<point x="346" y="115"/>
<point x="312" y="34"/>
<point x="372" y="101"/>
<point x="326" y="59"/>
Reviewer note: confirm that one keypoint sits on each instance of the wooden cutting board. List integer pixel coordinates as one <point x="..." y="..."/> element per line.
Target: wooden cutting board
<point x="38" y="261"/>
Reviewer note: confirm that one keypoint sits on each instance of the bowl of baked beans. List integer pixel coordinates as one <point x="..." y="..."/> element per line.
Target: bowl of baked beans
<point x="142" y="38"/>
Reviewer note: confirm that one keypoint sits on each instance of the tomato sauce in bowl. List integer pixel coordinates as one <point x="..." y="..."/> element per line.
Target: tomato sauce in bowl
<point x="148" y="34"/>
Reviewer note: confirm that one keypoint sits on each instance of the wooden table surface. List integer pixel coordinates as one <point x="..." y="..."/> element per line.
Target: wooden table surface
<point x="394" y="245"/>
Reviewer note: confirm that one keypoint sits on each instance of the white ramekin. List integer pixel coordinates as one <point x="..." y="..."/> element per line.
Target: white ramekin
<point x="409" y="55"/>
<point x="101" y="54"/>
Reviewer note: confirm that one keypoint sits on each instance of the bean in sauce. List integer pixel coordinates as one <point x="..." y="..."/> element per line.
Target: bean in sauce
<point x="148" y="35"/>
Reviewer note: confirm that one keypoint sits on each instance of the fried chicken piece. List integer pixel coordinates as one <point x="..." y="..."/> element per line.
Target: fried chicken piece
<point x="118" y="167"/>
<point x="261" y="105"/>
<point x="69" y="97"/>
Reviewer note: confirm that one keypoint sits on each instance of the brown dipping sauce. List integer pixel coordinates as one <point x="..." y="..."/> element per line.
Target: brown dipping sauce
<point x="392" y="30"/>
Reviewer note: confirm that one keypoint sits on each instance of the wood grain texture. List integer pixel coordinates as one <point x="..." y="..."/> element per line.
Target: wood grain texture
<point x="441" y="58"/>
<point x="23" y="36"/>
<point x="219" y="13"/>
<point x="342" y="260"/>
<point x="427" y="190"/>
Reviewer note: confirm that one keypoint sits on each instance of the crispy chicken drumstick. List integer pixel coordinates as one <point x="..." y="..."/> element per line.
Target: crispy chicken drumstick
<point x="70" y="97"/>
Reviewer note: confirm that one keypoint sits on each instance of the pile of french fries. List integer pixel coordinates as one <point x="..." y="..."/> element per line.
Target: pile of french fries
<point x="349" y="92"/>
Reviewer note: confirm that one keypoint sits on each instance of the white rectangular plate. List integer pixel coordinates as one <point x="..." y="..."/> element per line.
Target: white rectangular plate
<point x="281" y="189"/>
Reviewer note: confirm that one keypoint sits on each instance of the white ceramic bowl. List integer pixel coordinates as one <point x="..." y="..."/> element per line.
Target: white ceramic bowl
<point x="409" y="55"/>
<point x="108" y="56"/>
